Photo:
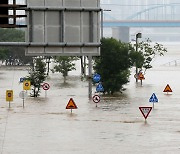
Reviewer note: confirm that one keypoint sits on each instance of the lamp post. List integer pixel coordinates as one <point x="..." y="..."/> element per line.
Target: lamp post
<point x="138" y="35"/>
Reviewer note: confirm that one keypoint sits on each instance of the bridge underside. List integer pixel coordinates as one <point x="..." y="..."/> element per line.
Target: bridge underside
<point x="167" y="23"/>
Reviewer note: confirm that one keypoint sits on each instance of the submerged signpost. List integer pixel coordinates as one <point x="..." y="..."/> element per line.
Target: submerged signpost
<point x="23" y="95"/>
<point x="145" y="111"/>
<point x="167" y="89"/>
<point x="71" y="105"/>
<point x="46" y="87"/>
<point x="141" y="77"/>
<point x="9" y="96"/>
<point x="96" y="99"/>
<point x="153" y="99"/>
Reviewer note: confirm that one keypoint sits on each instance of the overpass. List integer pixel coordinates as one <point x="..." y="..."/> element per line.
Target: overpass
<point x="149" y="14"/>
<point x="141" y="23"/>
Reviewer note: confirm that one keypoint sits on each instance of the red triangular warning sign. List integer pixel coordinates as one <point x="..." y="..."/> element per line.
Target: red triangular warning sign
<point x="71" y="104"/>
<point x="141" y="76"/>
<point x="167" y="89"/>
<point x="145" y="111"/>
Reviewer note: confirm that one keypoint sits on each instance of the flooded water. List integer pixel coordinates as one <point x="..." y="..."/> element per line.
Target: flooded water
<point x="115" y="126"/>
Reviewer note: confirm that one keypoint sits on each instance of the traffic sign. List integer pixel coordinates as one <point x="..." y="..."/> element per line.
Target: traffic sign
<point x="22" y="94"/>
<point x="141" y="76"/>
<point x="21" y="80"/>
<point x="167" y="88"/>
<point x="153" y="98"/>
<point x="99" y="88"/>
<point x="71" y="104"/>
<point x="145" y="111"/>
<point x="96" y="78"/>
<point x="96" y="98"/>
<point x="9" y="95"/>
<point x="26" y="85"/>
<point x="46" y="86"/>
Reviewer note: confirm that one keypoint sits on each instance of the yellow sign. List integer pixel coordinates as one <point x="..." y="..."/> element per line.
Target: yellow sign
<point x="141" y="76"/>
<point x="26" y="85"/>
<point x="71" y="104"/>
<point x="9" y="95"/>
<point x="167" y="89"/>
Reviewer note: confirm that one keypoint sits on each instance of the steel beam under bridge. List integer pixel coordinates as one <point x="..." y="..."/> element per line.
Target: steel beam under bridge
<point x="136" y="23"/>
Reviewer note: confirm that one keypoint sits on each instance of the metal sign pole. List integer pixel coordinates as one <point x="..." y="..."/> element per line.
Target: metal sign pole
<point x="90" y="77"/>
<point x="45" y="93"/>
<point x="23" y="102"/>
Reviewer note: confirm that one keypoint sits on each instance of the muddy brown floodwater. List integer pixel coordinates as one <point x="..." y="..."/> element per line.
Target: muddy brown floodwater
<point x="115" y="126"/>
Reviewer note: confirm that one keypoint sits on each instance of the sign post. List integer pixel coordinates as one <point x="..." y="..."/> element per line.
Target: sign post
<point x="153" y="99"/>
<point x="96" y="99"/>
<point x="96" y="77"/>
<point x="145" y="111"/>
<point x="46" y="87"/>
<point x="71" y="105"/>
<point x="167" y="89"/>
<point x="141" y="77"/>
<point x="26" y="85"/>
<point x="9" y="96"/>
<point x="23" y="95"/>
<point x="99" y="88"/>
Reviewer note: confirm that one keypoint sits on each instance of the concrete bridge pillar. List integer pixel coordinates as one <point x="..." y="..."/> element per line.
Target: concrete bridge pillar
<point x="121" y="33"/>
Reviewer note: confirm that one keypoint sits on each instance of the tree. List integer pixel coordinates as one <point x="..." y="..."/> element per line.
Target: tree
<point x="13" y="55"/>
<point x="114" y="64"/>
<point x="37" y="75"/>
<point x="117" y="58"/>
<point x="147" y="52"/>
<point x="64" y="65"/>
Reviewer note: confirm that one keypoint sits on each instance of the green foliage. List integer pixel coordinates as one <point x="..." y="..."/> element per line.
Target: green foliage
<point x="64" y="65"/>
<point x="37" y="75"/>
<point x="13" y="55"/>
<point x="146" y="53"/>
<point x="117" y="58"/>
<point x="113" y="64"/>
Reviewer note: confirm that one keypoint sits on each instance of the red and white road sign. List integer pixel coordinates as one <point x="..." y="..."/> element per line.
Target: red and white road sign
<point x="46" y="86"/>
<point x="96" y="98"/>
<point x="145" y="111"/>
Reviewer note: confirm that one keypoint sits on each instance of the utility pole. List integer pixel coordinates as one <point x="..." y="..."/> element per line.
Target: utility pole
<point x="90" y="76"/>
<point x="138" y="35"/>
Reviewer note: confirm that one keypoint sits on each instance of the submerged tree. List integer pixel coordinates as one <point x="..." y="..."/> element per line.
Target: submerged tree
<point x="113" y="64"/>
<point x="146" y="53"/>
<point x="117" y="58"/>
<point x="13" y="55"/>
<point x="64" y="65"/>
<point x="37" y="75"/>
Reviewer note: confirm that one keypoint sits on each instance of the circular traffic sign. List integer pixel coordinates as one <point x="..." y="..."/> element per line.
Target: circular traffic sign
<point x="96" y="98"/>
<point x="26" y="84"/>
<point x="96" y="78"/>
<point x="22" y="94"/>
<point x="46" y="86"/>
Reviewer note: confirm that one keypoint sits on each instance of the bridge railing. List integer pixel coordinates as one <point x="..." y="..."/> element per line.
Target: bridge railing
<point x="142" y="12"/>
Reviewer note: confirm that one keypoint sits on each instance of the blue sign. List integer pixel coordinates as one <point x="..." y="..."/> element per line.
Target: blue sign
<point x="99" y="88"/>
<point x="21" y="80"/>
<point x="153" y="98"/>
<point x="96" y="78"/>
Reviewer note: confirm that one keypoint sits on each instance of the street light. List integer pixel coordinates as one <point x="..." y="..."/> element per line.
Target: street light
<point x="138" y="35"/>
